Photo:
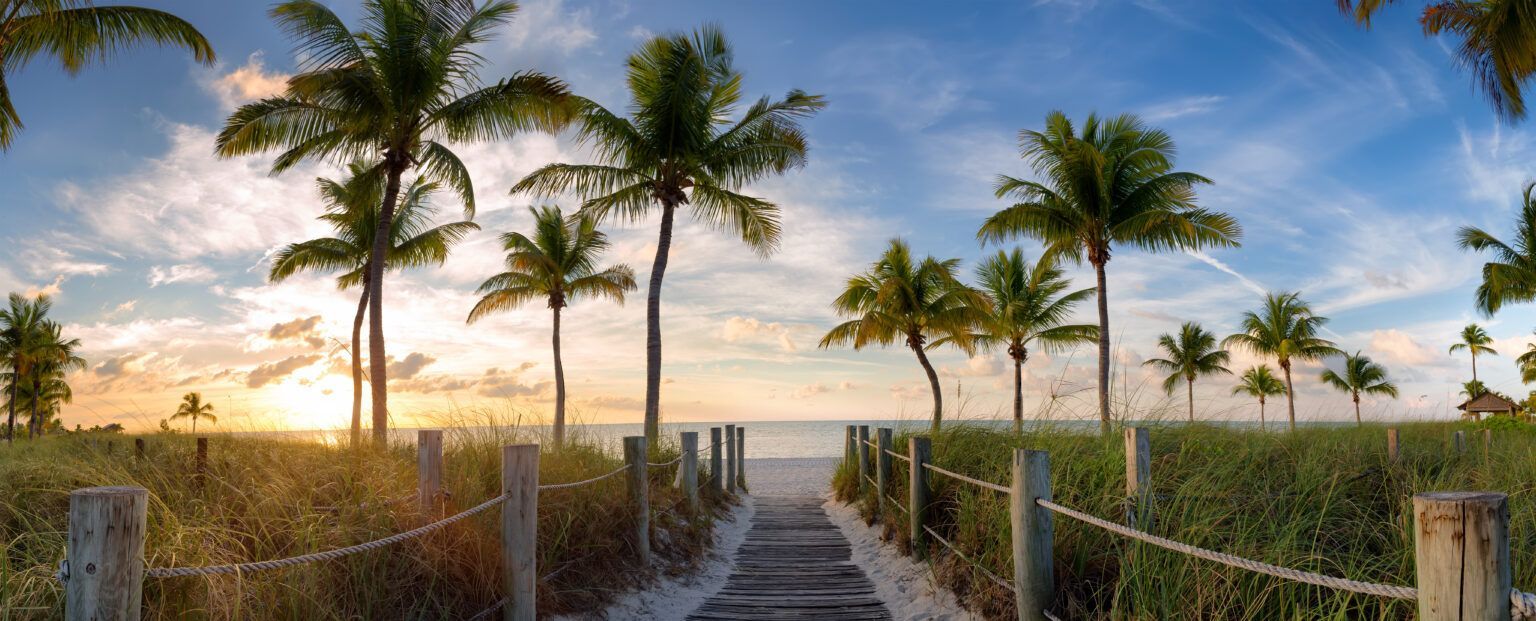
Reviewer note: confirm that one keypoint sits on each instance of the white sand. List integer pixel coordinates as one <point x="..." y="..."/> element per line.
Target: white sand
<point x="908" y="588"/>
<point x="785" y="476"/>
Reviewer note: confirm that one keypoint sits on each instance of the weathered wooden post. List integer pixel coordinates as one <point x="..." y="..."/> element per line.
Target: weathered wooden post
<point x="849" y="438"/>
<point x="690" y="469"/>
<point x="1138" y="476"/>
<point x="1487" y="443"/>
<point x="1462" y="556"/>
<point x="1460" y="440"/>
<point x="919" y="450"/>
<point x="741" y="459"/>
<point x="138" y="448"/>
<point x="1392" y="450"/>
<point x="1033" y="572"/>
<point x="863" y="453"/>
<point x="105" y="557"/>
<point x="882" y="467"/>
<point x="634" y="455"/>
<point x="519" y="530"/>
<point x="201" y="465"/>
<point x="429" y="469"/>
<point x="716" y="482"/>
<point x="730" y="458"/>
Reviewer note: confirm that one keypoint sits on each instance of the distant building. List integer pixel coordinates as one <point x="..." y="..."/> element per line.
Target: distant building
<point x="1488" y="403"/>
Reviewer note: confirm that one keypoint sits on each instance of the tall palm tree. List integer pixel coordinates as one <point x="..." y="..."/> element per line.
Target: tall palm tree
<point x="393" y="93"/>
<point x="21" y="323"/>
<point x="920" y="302"/>
<point x="1111" y="185"/>
<point x="1360" y="375"/>
<point x="1285" y="328"/>
<point x="1191" y="354"/>
<point x="352" y="210"/>
<point x="678" y="148"/>
<point x="1029" y="306"/>
<point x="1259" y="382"/>
<point x="560" y="265"/>
<point x="192" y="407"/>
<point x="1495" y="44"/>
<point x="1511" y="276"/>
<point x="53" y="356"/>
<point x="1526" y="362"/>
<point x="77" y="34"/>
<point x="1474" y="340"/>
<point x="44" y="399"/>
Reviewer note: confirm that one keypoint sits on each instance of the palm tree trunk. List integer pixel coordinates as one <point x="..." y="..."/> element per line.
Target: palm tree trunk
<point x="378" y="379"/>
<point x="559" y="386"/>
<point x="1290" y="393"/>
<point x="1098" y="272"/>
<point x="33" y="426"/>
<point x="357" y="364"/>
<point x="1191" y="385"/>
<point x="1358" y="423"/>
<point x="1018" y="396"/>
<point x="1261" y="414"/>
<point x="1474" y="366"/>
<point x="933" y="382"/>
<point x="653" y="327"/>
<point x="10" y="419"/>
<point x="194" y="424"/>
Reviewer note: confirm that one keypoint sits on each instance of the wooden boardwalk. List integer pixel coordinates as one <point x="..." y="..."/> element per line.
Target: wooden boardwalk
<point x="794" y="564"/>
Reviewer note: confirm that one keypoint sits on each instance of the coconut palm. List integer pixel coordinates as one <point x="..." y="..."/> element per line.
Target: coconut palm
<point x="1474" y="340"/>
<point x="680" y="148"/>
<point x="352" y="211"/>
<point x="393" y="92"/>
<point x="1473" y="389"/>
<point x="1511" y="276"/>
<point x="921" y="303"/>
<point x="1527" y="363"/>
<point x="43" y="400"/>
<point x="1495" y="42"/>
<point x="192" y="407"/>
<point x="53" y="356"/>
<point x="1111" y="185"/>
<point x="20" y="324"/>
<point x="1193" y="352"/>
<point x="1360" y="375"/>
<point x="1259" y="382"/>
<point x="559" y="265"/>
<point x="77" y="34"/>
<point x="1029" y="306"/>
<point x="1285" y="328"/>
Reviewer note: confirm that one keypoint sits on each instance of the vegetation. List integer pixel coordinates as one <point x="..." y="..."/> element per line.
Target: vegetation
<point x="679" y="147"/>
<point x="192" y="407"/>
<point x="1474" y="340"/>
<point x="1360" y="375"/>
<point x="393" y="93"/>
<point x="1260" y="383"/>
<point x="77" y="34"/>
<point x="1112" y="185"/>
<point x="1191" y="354"/>
<point x="560" y="265"/>
<point x="37" y="359"/>
<point x="1285" y="329"/>
<point x="1527" y="364"/>
<point x="1511" y="276"/>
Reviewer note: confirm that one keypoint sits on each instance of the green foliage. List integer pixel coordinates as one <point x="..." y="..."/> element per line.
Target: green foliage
<point x="1193" y="352"/>
<point x="1285" y="329"/>
<point x="1510" y="277"/>
<point x="559" y="264"/>
<point x="37" y="359"/>
<point x="193" y="408"/>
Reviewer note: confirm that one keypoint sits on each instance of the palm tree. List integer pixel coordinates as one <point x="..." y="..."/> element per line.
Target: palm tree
<point x="77" y="33"/>
<point x="53" y="356"/>
<point x="1527" y="363"/>
<point x="392" y="92"/>
<point x="1112" y="185"/>
<point x="1475" y="341"/>
<point x="1259" y="382"/>
<point x="680" y="148"/>
<point x="1029" y="305"/>
<point x="559" y="265"/>
<point x="192" y="407"/>
<point x="922" y="303"/>
<point x="352" y="210"/>
<point x="1495" y="44"/>
<point x="1191" y="354"/>
<point x="1473" y="389"/>
<point x="20" y="324"/>
<point x="1361" y="375"/>
<point x="44" y="399"/>
<point x="1511" y="275"/>
<point x="1286" y="328"/>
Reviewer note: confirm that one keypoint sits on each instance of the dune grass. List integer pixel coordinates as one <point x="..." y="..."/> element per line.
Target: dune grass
<point x="1324" y="499"/>
<point x="272" y="497"/>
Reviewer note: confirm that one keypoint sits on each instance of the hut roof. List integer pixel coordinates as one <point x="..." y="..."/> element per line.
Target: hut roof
<point x="1488" y="402"/>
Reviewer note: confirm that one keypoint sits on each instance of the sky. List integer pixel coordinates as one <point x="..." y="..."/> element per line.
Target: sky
<point x="1350" y="158"/>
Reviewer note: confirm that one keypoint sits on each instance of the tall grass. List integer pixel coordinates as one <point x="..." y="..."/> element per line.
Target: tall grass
<point x="1322" y="499"/>
<point x="272" y="497"/>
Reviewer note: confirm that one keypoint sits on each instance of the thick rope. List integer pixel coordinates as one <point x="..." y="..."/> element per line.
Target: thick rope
<point x="595" y="479"/>
<point x="1522" y="605"/>
<point x="241" y="568"/>
<point x="665" y="464"/>
<point x="1049" y="615"/>
<point x="1368" y="588"/>
<point x="1007" y="586"/>
<point x="486" y="614"/>
<point x="898" y="455"/>
<point x="895" y="503"/>
<point x="991" y="486"/>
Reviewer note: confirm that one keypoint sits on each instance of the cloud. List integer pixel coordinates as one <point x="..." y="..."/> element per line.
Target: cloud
<point x="617" y="403"/>
<point x="304" y="329"/>
<point x="1186" y="106"/>
<point x="545" y="25"/>
<point x="986" y="365"/>
<point x="185" y="273"/>
<point x="272" y="372"/>
<point x="1398" y="347"/>
<point x="739" y="329"/>
<point x="409" y="367"/>
<point x="884" y="72"/>
<point x="246" y="83"/>
<point x="119" y="366"/>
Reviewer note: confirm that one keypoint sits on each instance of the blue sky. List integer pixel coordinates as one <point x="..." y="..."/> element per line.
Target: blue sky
<point x="1349" y="157"/>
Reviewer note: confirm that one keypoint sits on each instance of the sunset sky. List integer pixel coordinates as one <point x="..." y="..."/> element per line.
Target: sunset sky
<point x="1349" y="157"/>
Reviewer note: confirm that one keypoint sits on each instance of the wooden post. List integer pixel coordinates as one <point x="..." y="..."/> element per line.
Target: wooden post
<point x="1460" y="440"/>
<point x="1487" y="443"/>
<point x="882" y="467"/>
<point x="716" y="482"/>
<point x="1033" y="572"/>
<point x="741" y="459"/>
<point x="429" y="469"/>
<point x="863" y="453"/>
<point x="138" y="448"/>
<point x="106" y="553"/>
<point x="1462" y="556"/>
<point x="690" y="469"/>
<point x="634" y="455"/>
<point x="202" y="462"/>
<point x="1138" y="477"/>
<point x="730" y="458"/>
<point x="919" y="450"/>
<point x="849" y="438"/>
<point x="519" y="531"/>
<point x="1392" y="450"/>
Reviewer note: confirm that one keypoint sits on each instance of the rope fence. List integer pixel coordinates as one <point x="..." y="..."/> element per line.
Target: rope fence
<point x="555" y="486"/>
<point x="1006" y="585"/>
<point x="977" y="482"/>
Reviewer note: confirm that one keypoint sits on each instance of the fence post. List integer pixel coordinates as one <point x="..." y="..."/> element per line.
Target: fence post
<point x="716" y="482"/>
<point x="919" y="449"/>
<point x="882" y="467"/>
<point x="862" y="450"/>
<point x="1462" y="555"/>
<point x="1033" y="573"/>
<point x="202" y="462"/>
<point x="1487" y="443"/>
<point x="741" y="459"/>
<point x="848" y="447"/>
<point x="1392" y="451"/>
<point x="1138" y="476"/>
<point x="634" y="455"/>
<point x="730" y="458"/>
<point x="429" y="469"/>
<point x="1460" y="440"/>
<point x="519" y="530"/>
<point x="138" y="448"/>
<point x="690" y="469"/>
<point x="106" y="553"/>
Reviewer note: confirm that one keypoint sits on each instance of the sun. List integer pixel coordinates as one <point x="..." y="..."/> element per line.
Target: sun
<point x="311" y="399"/>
